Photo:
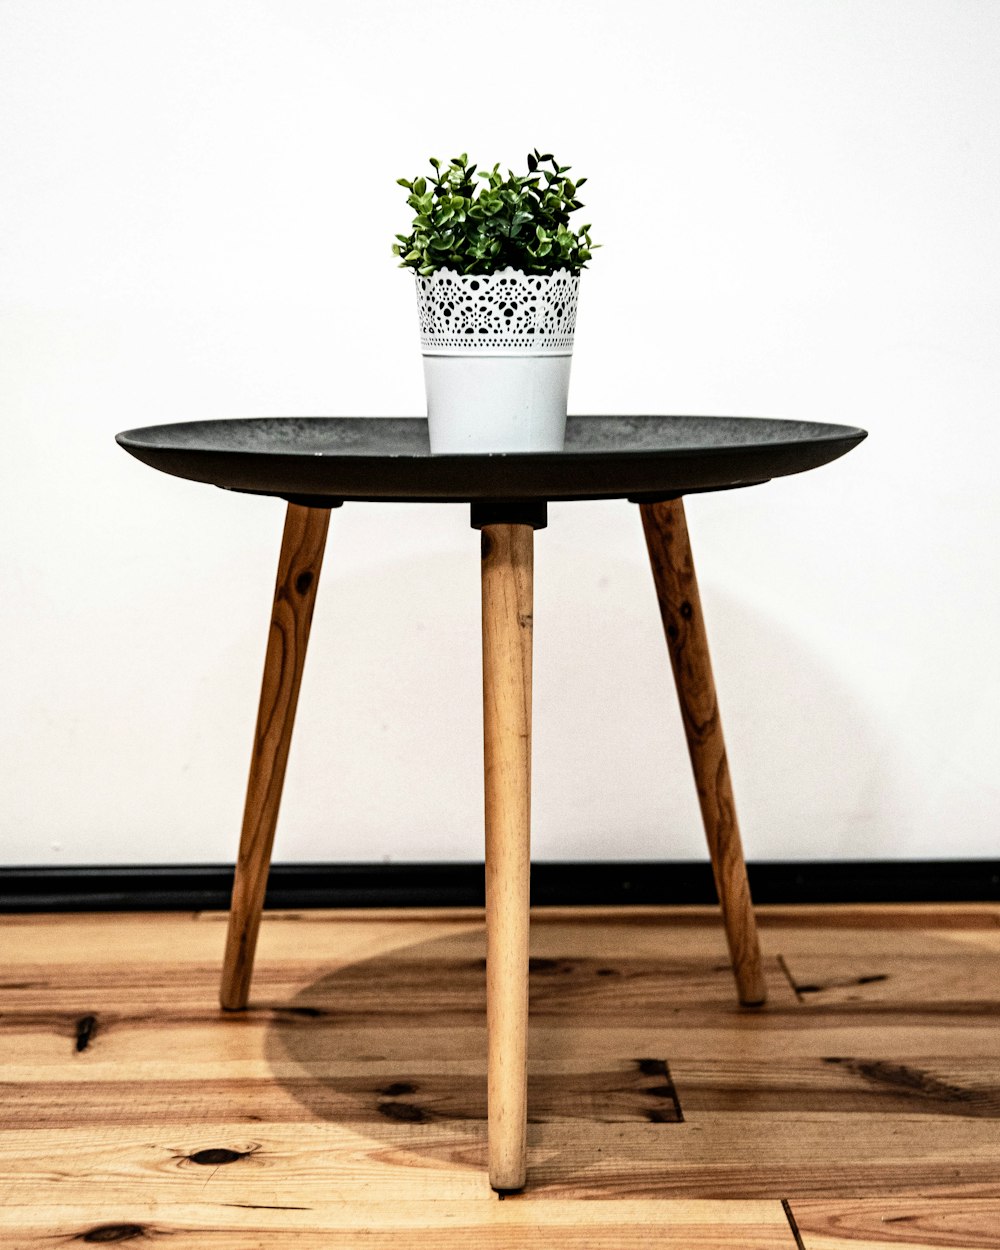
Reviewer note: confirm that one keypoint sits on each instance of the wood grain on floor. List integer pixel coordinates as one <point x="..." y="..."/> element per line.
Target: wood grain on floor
<point x="859" y="1110"/>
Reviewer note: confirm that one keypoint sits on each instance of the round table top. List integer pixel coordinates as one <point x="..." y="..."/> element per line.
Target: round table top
<point x="320" y="460"/>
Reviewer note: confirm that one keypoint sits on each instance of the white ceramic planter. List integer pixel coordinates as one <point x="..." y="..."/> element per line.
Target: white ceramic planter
<point x="496" y="403"/>
<point x="497" y="353"/>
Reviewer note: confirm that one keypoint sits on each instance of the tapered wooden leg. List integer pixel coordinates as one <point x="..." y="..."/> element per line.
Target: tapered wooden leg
<point x="680" y="608"/>
<point x="507" y="606"/>
<point x="294" y="597"/>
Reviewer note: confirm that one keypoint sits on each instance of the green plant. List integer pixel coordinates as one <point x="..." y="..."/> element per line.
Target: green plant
<point x="512" y="222"/>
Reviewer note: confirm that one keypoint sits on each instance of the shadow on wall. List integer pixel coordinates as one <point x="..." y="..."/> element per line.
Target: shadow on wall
<point x="813" y="768"/>
<point x="396" y="651"/>
<point x="812" y="775"/>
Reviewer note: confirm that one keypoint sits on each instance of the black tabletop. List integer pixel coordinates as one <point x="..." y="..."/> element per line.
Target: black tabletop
<point x="329" y="459"/>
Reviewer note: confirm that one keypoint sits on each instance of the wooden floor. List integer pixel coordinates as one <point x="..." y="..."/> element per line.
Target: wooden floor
<point x="859" y="1109"/>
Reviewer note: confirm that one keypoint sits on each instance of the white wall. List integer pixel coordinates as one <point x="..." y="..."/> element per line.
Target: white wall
<point x="799" y="205"/>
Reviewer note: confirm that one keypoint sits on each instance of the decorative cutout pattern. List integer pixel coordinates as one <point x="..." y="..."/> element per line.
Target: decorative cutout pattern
<point x="496" y="313"/>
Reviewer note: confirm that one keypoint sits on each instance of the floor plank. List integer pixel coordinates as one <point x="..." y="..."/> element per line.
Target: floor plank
<point x="513" y="1224"/>
<point x="622" y="1092"/>
<point x="897" y="1224"/>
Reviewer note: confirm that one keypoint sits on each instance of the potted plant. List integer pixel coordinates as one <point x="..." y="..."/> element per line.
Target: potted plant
<point x="497" y="277"/>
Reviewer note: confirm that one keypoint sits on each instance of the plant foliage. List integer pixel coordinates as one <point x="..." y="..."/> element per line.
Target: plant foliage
<point x="516" y="222"/>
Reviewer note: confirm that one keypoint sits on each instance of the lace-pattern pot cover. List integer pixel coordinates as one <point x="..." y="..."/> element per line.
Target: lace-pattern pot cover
<point x="497" y="314"/>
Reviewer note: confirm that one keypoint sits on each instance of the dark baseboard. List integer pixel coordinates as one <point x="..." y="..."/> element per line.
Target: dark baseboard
<point x="206" y="887"/>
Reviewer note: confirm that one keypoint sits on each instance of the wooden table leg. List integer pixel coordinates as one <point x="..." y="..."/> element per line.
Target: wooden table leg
<point x="299" y="567"/>
<point x="683" y="624"/>
<point x="507" y="565"/>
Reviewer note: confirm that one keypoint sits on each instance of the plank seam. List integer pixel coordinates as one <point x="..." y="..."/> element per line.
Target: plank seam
<point x="791" y="980"/>
<point x="789" y="1216"/>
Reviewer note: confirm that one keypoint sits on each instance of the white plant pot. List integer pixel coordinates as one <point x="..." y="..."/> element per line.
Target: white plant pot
<point x="496" y="403"/>
<point x="497" y="353"/>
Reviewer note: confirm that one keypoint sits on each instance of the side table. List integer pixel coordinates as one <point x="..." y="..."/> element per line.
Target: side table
<point x="318" y="463"/>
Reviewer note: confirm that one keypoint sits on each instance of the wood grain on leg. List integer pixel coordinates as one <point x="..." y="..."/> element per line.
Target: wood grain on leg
<point x="670" y="556"/>
<point x="294" y="598"/>
<point x="507" y="628"/>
